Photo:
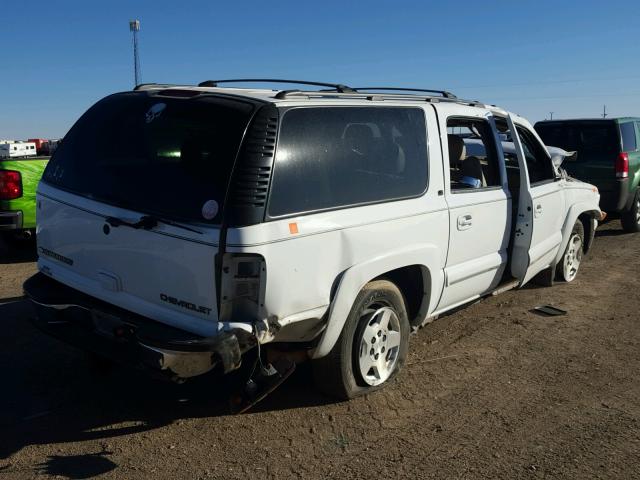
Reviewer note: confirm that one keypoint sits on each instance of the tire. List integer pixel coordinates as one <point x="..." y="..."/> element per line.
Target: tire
<point x="572" y="257"/>
<point x="631" y="218"/>
<point x="375" y="335"/>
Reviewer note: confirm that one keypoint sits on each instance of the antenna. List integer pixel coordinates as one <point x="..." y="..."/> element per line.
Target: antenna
<point x="134" y="28"/>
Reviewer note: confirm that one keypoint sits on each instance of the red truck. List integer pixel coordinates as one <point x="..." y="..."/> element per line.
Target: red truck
<point x="42" y="145"/>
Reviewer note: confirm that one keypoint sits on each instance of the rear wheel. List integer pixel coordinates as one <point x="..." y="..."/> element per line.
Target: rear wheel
<point x="372" y="346"/>
<point x="631" y="218"/>
<point x="572" y="257"/>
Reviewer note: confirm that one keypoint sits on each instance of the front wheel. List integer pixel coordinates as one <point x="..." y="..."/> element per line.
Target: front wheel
<point x="372" y="346"/>
<point x="631" y="218"/>
<point x="572" y="257"/>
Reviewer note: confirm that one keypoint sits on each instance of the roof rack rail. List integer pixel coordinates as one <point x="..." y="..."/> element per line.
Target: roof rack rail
<point x="337" y="86"/>
<point x="444" y="93"/>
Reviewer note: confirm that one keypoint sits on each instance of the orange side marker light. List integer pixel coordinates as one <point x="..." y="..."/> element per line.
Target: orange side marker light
<point x="293" y="228"/>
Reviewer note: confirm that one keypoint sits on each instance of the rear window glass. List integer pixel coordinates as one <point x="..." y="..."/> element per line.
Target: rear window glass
<point x="157" y="155"/>
<point x="628" y="135"/>
<point x="583" y="137"/>
<point x="332" y="157"/>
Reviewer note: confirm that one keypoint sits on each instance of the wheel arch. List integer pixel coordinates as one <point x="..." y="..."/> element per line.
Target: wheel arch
<point x="402" y="267"/>
<point x="414" y="281"/>
<point x="589" y="224"/>
<point x="586" y="213"/>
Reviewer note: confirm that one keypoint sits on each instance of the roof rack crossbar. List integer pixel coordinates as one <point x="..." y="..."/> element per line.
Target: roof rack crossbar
<point x="444" y="93"/>
<point x="337" y="86"/>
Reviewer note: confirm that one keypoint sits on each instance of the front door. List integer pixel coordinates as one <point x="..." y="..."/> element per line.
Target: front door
<point x="541" y="206"/>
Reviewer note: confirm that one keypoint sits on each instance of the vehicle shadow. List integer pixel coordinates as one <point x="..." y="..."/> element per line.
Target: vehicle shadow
<point x="611" y="233"/>
<point x="77" y="466"/>
<point x="17" y="251"/>
<point x="51" y="395"/>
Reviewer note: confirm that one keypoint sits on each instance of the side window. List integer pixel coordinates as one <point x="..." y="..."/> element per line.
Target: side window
<point x="628" y="134"/>
<point x="473" y="157"/>
<point x="332" y="157"/>
<point x="538" y="162"/>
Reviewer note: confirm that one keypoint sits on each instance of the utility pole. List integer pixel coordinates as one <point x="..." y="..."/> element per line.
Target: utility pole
<point x="604" y="111"/>
<point x="134" y="28"/>
<point x="551" y="114"/>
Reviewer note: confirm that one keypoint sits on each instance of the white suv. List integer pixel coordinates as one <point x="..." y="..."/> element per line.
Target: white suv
<point x="180" y="227"/>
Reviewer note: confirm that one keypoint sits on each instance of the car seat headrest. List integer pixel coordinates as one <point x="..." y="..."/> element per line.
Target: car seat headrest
<point x="457" y="151"/>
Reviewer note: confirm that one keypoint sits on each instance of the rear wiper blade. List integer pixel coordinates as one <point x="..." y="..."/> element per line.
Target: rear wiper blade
<point x="173" y="224"/>
<point x="147" y="222"/>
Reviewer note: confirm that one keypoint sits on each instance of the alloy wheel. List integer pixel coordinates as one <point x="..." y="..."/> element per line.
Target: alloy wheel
<point x="378" y="345"/>
<point x="572" y="258"/>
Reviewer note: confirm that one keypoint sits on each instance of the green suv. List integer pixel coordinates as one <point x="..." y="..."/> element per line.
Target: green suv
<point x="608" y="156"/>
<point x="19" y="179"/>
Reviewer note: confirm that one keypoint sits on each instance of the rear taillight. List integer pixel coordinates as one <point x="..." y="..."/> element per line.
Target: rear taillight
<point x="243" y="286"/>
<point x="10" y="185"/>
<point x="622" y="165"/>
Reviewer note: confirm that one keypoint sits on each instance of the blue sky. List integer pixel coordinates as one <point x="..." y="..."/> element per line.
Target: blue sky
<point x="569" y="57"/>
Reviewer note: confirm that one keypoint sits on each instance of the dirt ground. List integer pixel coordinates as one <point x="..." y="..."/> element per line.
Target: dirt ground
<point x="491" y="391"/>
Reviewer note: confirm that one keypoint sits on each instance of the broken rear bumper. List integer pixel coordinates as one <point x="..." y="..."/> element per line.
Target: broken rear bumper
<point x="130" y="339"/>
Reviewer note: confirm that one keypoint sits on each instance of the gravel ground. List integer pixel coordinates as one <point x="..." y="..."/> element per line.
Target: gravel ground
<point x="491" y="391"/>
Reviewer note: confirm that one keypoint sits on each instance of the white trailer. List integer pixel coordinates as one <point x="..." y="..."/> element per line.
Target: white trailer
<point x="18" y="149"/>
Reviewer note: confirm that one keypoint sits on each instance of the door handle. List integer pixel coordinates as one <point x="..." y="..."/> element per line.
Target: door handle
<point x="538" y="211"/>
<point x="465" y="222"/>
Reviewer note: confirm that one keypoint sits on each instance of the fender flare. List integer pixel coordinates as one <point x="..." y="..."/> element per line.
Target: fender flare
<point x="356" y="277"/>
<point x="572" y="216"/>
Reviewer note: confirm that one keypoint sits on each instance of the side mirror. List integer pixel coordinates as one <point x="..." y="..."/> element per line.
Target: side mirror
<point x="571" y="157"/>
<point x="558" y="156"/>
<point x="557" y="161"/>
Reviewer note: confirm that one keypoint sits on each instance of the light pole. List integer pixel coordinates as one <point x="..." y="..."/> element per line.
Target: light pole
<point x="134" y="28"/>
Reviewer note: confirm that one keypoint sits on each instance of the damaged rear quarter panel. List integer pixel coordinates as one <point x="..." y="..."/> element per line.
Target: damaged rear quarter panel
<point x="346" y="248"/>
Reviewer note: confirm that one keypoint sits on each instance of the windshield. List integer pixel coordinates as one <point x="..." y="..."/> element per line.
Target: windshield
<point x="165" y="156"/>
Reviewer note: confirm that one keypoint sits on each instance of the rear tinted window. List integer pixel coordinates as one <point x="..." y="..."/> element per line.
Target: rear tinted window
<point x="628" y="135"/>
<point x="337" y="156"/>
<point x="158" y="155"/>
<point x="583" y="137"/>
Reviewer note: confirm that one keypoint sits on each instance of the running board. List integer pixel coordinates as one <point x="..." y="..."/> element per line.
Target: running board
<point x="505" y="287"/>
